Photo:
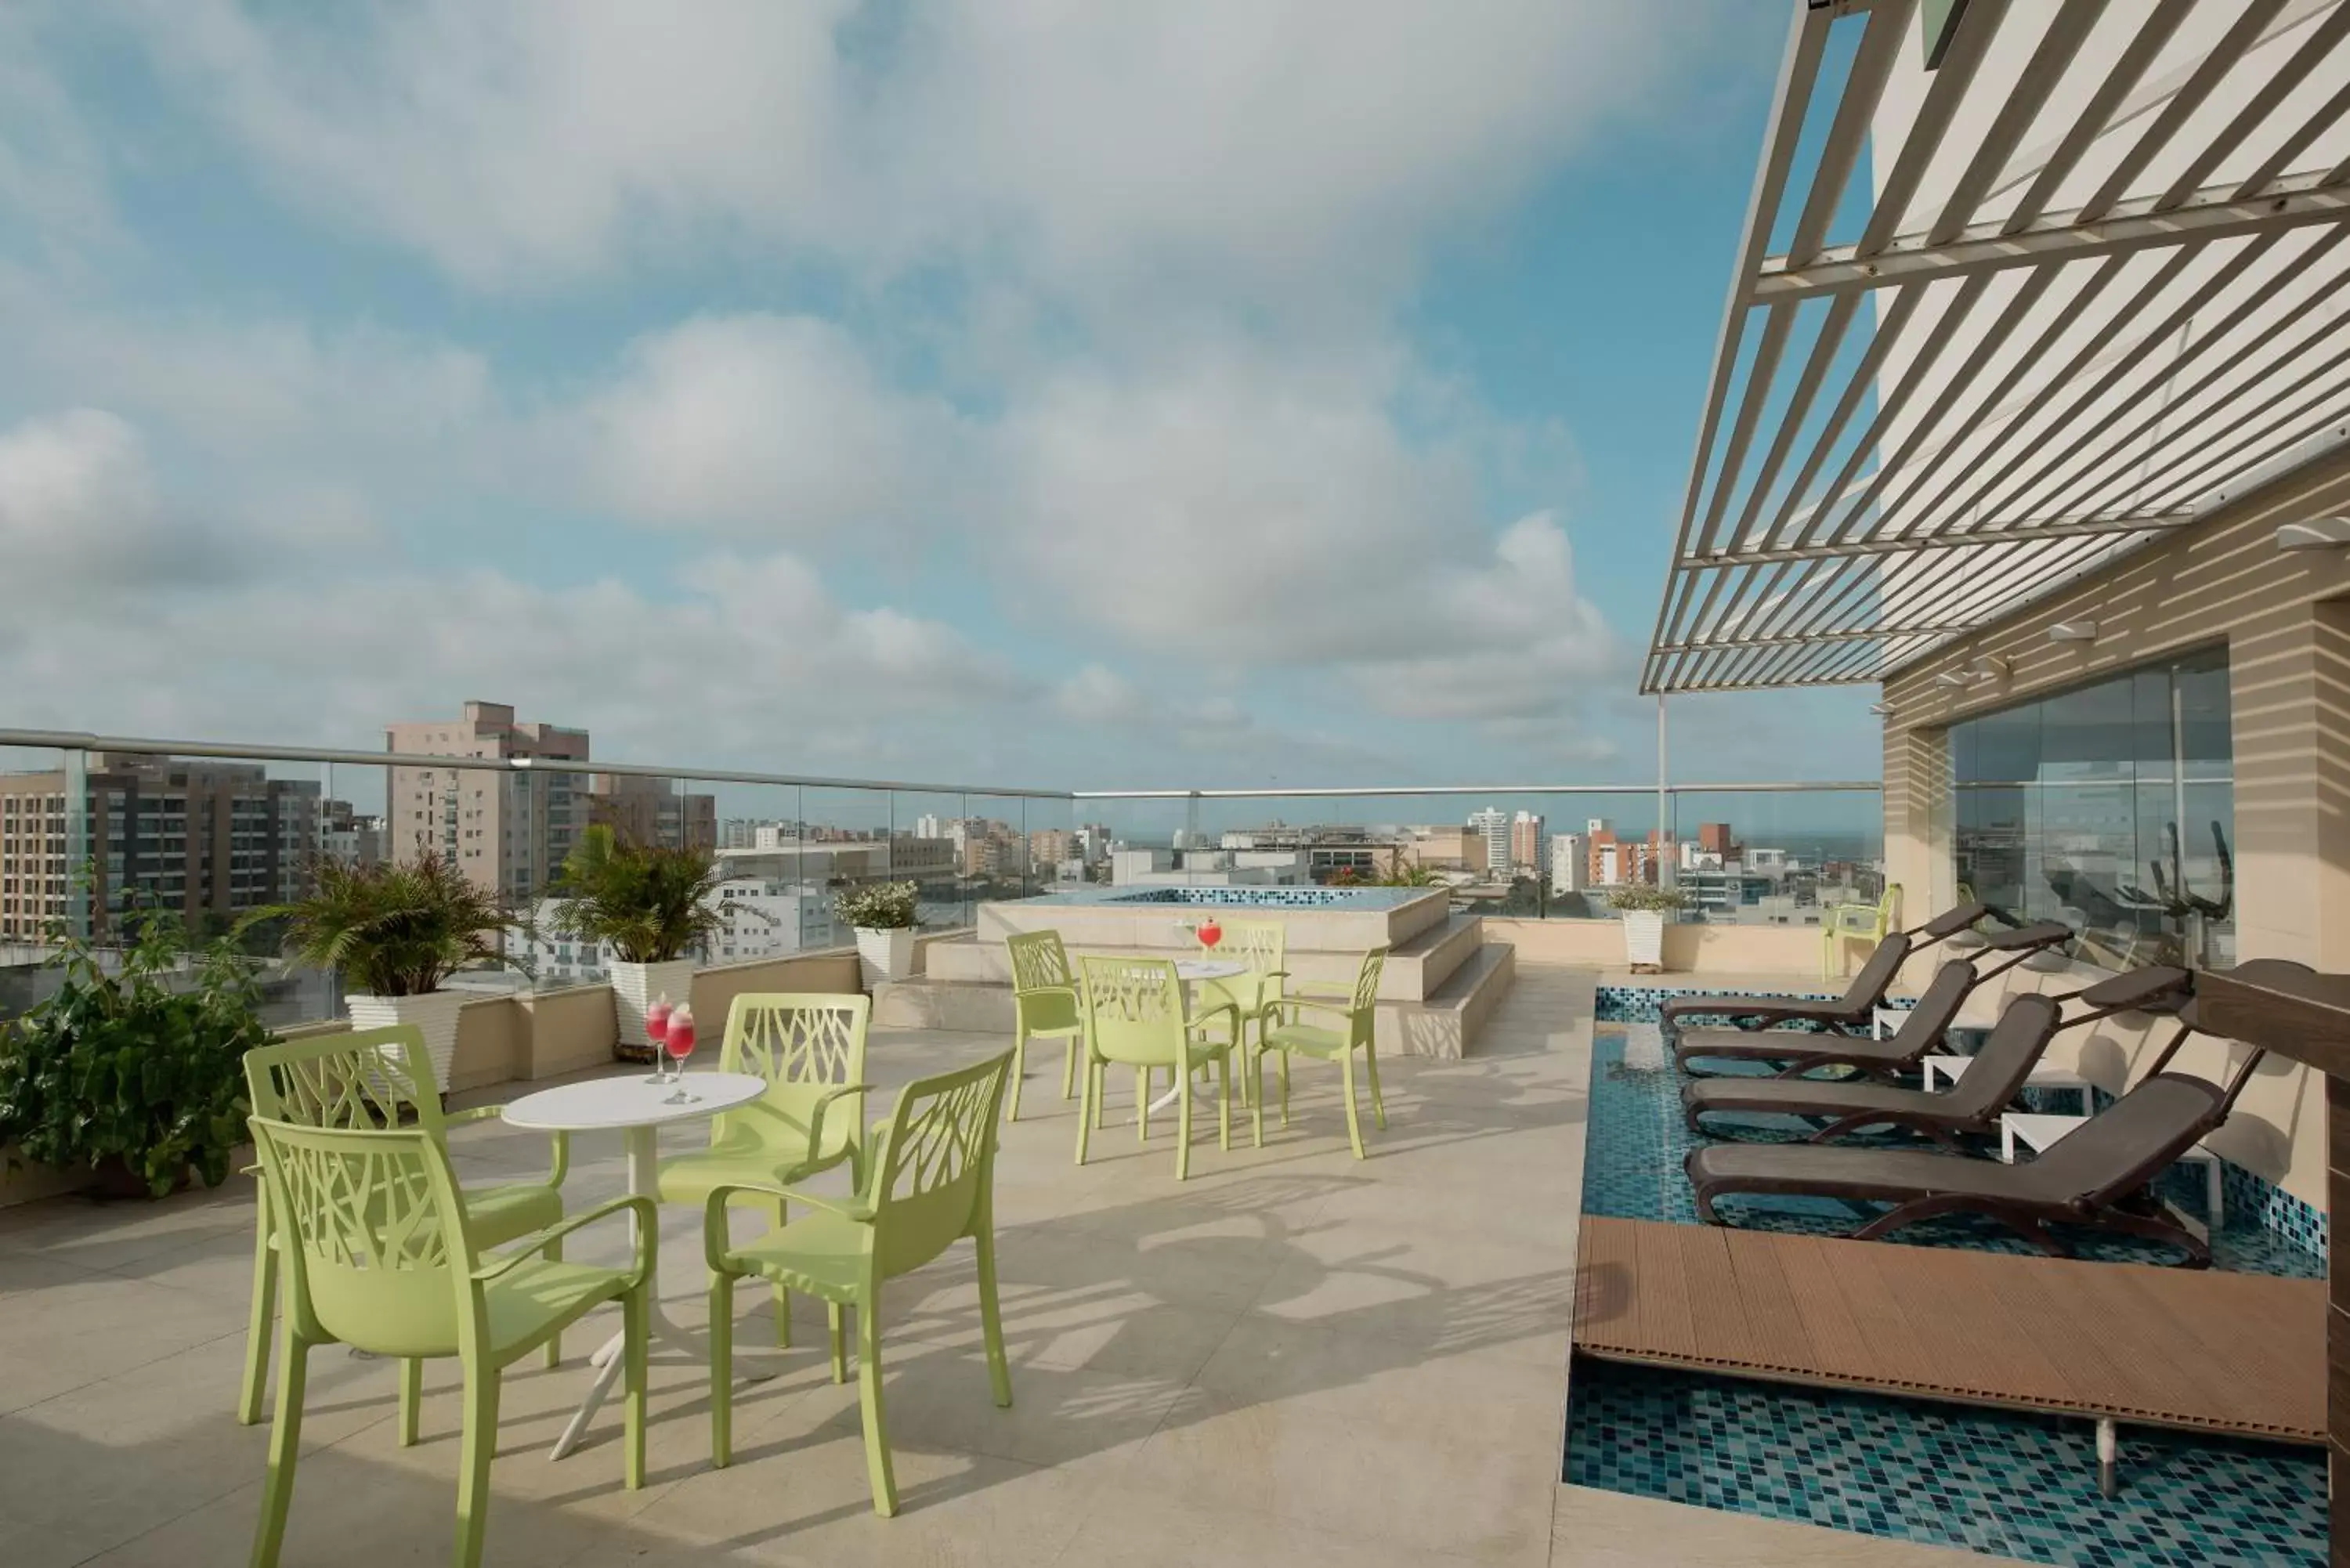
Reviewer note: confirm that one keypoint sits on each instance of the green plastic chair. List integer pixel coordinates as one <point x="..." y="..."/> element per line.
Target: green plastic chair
<point x="1350" y="1030"/>
<point x="1044" y="1006"/>
<point x="809" y="1046"/>
<point x="929" y="1183"/>
<point x="1870" y="922"/>
<point x="379" y="1253"/>
<point x="1263" y="947"/>
<point x="359" y="1080"/>
<point x="1136" y="1014"/>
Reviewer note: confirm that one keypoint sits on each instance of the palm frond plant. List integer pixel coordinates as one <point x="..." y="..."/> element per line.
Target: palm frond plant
<point x="650" y="903"/>
<point x="654" y="907"/>
<point x="398" y="927"/>
<point x="395" y="931"/>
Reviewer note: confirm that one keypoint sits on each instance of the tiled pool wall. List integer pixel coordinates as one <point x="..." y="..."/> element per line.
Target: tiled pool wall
<point x="1240" y="898"/>
<point x="2248" y="1196"/>
<point x="2003" y="1482"/>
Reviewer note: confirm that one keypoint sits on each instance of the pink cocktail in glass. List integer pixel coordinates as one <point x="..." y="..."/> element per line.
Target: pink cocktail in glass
<point x="657" y="1017"/>
<point x="680" y="1040"/>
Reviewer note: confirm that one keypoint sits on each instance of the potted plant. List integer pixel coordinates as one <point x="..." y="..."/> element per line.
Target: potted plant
<point x="884" y="915"/>
<point x="135" y="1067"/>
<point x="1644" y="908"/>
<point x="397" y="929"/>
<point x="652" y="907"/>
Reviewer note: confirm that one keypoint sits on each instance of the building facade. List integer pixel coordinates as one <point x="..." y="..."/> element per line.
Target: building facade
<point x="204" y="840"/>
<point x="1526" y="840"/>
<point x="644" y="810"/>
<point x="1492" y="825"/>
<point x="508" y="833"/>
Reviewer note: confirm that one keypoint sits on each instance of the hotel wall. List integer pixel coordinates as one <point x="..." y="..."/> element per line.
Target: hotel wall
<point x="2285" y="617"/>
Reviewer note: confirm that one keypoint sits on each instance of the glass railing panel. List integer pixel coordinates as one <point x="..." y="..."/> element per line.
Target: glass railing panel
<point x="1008" y="866"/>
<point x="843" y="842"/>
<point x="1777" y="857"/>
<point x="43" y="824"/>
<point x="771" y="902"/>
<point x="939" y="841"/>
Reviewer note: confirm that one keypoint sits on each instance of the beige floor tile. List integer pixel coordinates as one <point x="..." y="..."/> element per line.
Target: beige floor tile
<point x="1381" y="1480"/>
<point x="1140" y="1527"/>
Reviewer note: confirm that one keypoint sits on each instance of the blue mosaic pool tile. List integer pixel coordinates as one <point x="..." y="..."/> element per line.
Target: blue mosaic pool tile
<point x="1998" y="1482"/>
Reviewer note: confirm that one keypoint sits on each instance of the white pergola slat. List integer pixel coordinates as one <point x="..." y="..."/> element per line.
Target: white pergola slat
<point x="2089" y="285"/>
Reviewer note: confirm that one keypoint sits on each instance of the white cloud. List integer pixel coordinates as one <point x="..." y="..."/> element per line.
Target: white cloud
<point x="1298" y="152"/>
<point x="79" y="515"/>
<point x="775" y="426"/>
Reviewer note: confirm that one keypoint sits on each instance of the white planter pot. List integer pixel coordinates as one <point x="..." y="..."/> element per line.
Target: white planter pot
<point x="634" y="987"/>
<point x="434" y="1014"/>
<point x="1644" y="937"/>
<point x="885" y="955"/>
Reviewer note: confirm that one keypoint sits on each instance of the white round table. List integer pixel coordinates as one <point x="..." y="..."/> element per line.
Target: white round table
<point x="1192" y="971"/>
<point x="636" y="1110"/>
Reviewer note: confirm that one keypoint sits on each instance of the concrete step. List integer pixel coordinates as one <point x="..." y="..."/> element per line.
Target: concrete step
<point x="1447" y="1024"/>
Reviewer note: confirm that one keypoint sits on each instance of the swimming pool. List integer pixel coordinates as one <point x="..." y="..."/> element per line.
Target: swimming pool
<point x="2009" y="1484"/>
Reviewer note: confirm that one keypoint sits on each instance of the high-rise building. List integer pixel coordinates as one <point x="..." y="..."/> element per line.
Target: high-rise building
<point x="927" y="826"/>
<point x="1492" y="825"/>
<point x="508" y="833"/>
<point x="348" y="837"/>
<point x="640" y="809"/>
<point x="1526" y="842"/>
<point x="1570" y="868"/>
<point x="208" y="841"/>
<point x="1048" y="847"/>
<point x="1613" y="862"/>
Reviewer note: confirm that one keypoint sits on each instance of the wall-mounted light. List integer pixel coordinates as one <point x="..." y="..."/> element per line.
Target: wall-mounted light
<point x="2074" y="631"/>
<point x="1882" y="710"/>
<point x="1950" y="680"/>
<point x="1991" y="667"/>
<point x="2317" y="533"/>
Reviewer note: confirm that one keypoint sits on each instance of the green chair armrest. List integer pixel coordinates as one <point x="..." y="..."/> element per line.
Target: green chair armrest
<point x="1229" y="1010"/>
<point x="561" y="1163"/>
<point x="715" y="1239"/>
<point x="647" y="1237"/>
<point x="1319" y="1004"/>
<point x="815" y="1120"/>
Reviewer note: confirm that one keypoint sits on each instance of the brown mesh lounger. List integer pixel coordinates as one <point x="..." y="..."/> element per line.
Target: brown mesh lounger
<point x="1849" y="1010"/>
<point x="1989" y="1086"/>
<point x="1805" y="1050"/>
<point x="2098" y="1175"/>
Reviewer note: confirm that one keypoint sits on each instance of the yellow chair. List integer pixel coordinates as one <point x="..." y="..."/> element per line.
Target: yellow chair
<point x="1871" y="923"/>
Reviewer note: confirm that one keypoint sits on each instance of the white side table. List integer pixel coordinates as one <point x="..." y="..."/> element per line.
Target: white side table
<point x="2037" y="1132"/>
<point x="636" y="1110"/>
<point x="2043" y="1075"/>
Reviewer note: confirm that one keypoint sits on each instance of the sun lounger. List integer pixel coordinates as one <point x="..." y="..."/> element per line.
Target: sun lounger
<point x="1807" y="1049"/>
<point x="2100" y="1175"/>
<point x="1973" y="1106"/>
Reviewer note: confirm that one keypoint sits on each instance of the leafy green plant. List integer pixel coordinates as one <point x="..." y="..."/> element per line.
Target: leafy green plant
<point x="651" y="904"/>
<point x="646" y="901"/>
<point x="878" y="906"/>
<point x="137" y="1057"/>
<point x="1644" y="897"/>
<point x="1414" y="874"/>
<point x="398" y="927"/>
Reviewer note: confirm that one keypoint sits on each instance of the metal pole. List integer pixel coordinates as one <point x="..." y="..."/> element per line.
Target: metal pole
<point x="1667" y="872"/>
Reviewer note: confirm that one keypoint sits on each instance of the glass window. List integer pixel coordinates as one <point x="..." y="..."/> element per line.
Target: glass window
<point x="2111" y="808"/>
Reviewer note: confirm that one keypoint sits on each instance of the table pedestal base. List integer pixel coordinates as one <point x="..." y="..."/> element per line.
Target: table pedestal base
<point x="644" y="1181"/>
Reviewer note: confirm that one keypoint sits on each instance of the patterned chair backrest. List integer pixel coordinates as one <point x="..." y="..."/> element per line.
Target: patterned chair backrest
<point x="372" y="1235"/>
<point x="1262" y="945"/>
<point x="802" y="1043"/>
<point x="933" y="1176"/>
<point x="1038" y="960"/>
<point x="362" y="1078"/>
<point x="1134" y="1007"/>
<point x="1367" y="980"/>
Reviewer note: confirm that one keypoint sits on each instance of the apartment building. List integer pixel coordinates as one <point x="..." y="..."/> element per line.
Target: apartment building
<point x="1526" y="838"/>
<point x="506" y="831"/>
<point x="642" y="810"/>
<point x="208" y="841"/>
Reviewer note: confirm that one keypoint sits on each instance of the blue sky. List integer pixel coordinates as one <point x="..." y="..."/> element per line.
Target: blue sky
<point x="1033" y="390"/>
